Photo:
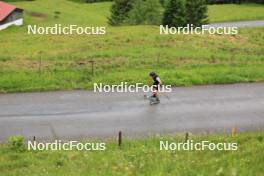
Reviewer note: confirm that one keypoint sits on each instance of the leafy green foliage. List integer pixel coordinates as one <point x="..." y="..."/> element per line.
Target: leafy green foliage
<point x="153" y="12"/>
<point x="138" y="14"/>
<point x="90" y="1"/>
<point x="175" y="14"/>
<point x="196" y="12"/>
<point x="16" y="143"/>
<point x="179" y="13"/>
<point x="145" y="12"/>
<point x="119" y="11"/>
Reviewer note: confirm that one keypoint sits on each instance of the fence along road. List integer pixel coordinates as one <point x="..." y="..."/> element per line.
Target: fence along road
<point x="76" y="114"/>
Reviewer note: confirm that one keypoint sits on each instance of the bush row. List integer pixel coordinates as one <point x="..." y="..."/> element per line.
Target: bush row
<point x="164" y="1"/>
<point x="90" y="1"/>
<point x="174" y="13"/>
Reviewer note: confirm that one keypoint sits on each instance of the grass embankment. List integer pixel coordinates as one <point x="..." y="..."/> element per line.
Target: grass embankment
<point x="235" y="12"/>
<point x="142" y="157"/>
<point x="125" y="53"/>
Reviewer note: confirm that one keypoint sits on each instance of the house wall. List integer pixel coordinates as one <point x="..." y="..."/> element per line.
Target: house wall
<point x="18" y="22"/>
<point x="15" y="18"/>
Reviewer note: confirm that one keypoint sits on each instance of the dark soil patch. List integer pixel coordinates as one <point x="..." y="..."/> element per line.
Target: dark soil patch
<point x="37" y="14"/>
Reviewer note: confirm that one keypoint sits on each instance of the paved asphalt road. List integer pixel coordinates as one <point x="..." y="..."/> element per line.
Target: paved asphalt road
<point x="239" y="24"/>
<point x="76" y="114"/>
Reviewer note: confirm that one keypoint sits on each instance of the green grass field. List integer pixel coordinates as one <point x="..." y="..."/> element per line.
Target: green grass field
<point x="142" y="157"/>
<point x="219" y="13"/>
<point x="125" y="53"/>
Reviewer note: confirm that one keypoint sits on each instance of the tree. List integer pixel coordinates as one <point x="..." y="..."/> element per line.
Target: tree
<point x="163" y="2"/>
<point x="145" y="12"/>
<point x="119" y="11"/>
<point x="174" y="14"/>
<point x="196" y="12"/>
<point x="138" y="13"/>
<point x="153" y="12"/>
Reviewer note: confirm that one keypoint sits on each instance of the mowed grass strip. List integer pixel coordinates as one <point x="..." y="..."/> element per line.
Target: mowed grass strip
<point x="142" y="157"/>
<point x="125" y="53"/>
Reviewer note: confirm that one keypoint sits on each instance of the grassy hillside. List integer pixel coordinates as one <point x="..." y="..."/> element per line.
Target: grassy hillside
<point x="96" y="13"/>
<point x="142" y="157"/>
<point x="234" y="12"/>
<point x="125" y="53"/>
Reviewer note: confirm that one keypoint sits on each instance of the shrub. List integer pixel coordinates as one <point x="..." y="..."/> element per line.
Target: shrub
<point x="138" y="13"/>
<point x="16" y="143"/>
<point x="163" y="3"/>
<point x="90" y="1"/>
<point x="153" y="12"/>
<point x="145" y="12"/>
<point x="57" y="12"/>
<point x="120" y="11"/>
<point x="93" y="1"/>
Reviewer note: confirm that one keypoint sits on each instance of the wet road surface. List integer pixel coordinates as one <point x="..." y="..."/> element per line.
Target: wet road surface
<point x="78" y="114"/>
<point x="239" y="24"/>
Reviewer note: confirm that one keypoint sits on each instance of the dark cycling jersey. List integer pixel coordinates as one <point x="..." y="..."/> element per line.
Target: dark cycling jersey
<point x="157" y="81"/>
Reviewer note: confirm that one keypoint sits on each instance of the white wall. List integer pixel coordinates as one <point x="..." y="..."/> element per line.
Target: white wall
<point x="18" y="22"/>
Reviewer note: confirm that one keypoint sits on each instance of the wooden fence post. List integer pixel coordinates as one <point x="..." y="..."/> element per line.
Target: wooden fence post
<point x="120" y="138"/>
<point x="234" y="131"/>
<point x="40" y="65"/>
<point x="93" y="69"/>
<point x="186" y="137"/>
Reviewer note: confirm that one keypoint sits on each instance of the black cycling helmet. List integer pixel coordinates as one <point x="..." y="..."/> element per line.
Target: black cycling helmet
<point x="152" y="74"/>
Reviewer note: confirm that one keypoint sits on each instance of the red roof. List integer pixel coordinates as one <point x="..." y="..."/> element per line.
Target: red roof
<point x="5" y="10"/>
